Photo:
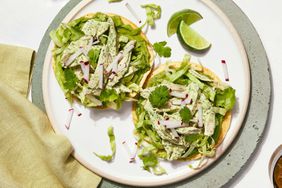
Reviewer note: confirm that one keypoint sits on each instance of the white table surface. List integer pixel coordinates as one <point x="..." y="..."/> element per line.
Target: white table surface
<point x="23" y="23"/>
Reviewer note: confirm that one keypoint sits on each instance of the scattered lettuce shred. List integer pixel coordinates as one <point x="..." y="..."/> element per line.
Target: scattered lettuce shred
<point x="161" y="49"/>
<point x="149" y="157"/>
<point x="108" y="95"/>
<point x="159" y="96"/>
<point x="153" y="13"/>
<point x="113" y="146"/>
<point x="112" y="1"/>
<point x="226" y="98"/>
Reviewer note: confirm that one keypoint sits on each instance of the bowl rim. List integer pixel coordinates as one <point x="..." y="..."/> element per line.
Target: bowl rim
<point x="273" y="160"/>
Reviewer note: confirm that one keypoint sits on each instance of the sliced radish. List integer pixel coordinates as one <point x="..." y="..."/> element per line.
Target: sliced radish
<point x="174" y="133"/>
<point x="131" y="155"/>
<point x="76" y="110"/>
<point x="159" y="62"/>
<point x="134" y="153"/>
<point x="69" y="118"/>
<point x="130" y="47"/>
<point x="101" y="75"/>
<point x="88" y="47"/>
<point x="176" y="102"/>
<point x="187" y="100"/>
<point x="178" y="94"/>
<point x="200" y="116"/>
<point x="200" y="62"/>
<point x="134" y="14"/>
<point x="85" y="67"/>
<point x="115" y="62"/>
<point x="170" y="124"/>
<point x="225" y="70"/>
<point x="73" y="57"/>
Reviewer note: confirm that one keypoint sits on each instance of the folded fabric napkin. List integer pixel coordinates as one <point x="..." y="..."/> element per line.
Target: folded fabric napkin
<point x="31" y="154"/>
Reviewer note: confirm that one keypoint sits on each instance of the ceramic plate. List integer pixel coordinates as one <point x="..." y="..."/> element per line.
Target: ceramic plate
<point x="88" y="133"/>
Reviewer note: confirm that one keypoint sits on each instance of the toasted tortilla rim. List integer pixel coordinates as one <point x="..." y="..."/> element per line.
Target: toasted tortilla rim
<point x="149" y="47"/>
<point x="227" y="118"/>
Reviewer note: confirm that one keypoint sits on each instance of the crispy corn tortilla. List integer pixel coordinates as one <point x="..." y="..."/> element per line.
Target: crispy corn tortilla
<point x="227" y="118"/>
<point x="149" y="47"/>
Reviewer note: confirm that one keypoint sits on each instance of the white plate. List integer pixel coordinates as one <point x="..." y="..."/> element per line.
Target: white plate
<point x="88" y="133"/>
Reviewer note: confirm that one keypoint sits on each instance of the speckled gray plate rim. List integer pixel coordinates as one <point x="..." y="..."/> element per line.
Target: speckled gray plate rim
<point x="238" y="155"/>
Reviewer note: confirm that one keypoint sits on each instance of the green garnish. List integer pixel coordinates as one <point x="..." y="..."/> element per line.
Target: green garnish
<point x="162" y="49"/>
<point x="193" y="137"/>
<point x="112" y="1"/>
<point x="113" y="146"/>
<point x="153" y="13"/>
<point x="108" y="95"/>
<point x="93" y="55"/>
<point x="159" y="96"/>
<point x="185" y="114"/>
<point x="70" y="79"/>
<point x="150" y="160"/>
<point x="226" y="98"/>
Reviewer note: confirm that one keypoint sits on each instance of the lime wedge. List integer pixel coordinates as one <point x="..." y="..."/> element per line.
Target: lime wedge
<point x="191" y="39"/>
<point x="187" y="15"/>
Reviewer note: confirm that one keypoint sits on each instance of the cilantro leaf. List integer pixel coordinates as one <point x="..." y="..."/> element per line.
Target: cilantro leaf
<point x="185" y="114"/>
<point x="113" y="146"/>
<point x="162" y="49"/>
<point x="159" y="96"/>
<point x="153" y="12"/>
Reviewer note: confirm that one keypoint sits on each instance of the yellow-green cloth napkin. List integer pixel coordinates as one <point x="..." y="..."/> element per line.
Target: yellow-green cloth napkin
<point x="31" y="154"/>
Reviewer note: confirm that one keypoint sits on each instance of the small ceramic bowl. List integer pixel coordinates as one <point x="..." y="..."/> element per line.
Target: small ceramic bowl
<point x="273" y="160"/>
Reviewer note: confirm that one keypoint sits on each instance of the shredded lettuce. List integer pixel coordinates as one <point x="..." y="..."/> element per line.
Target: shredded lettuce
<point x="113" y="146"/>
<point x="153" y="13"/>
<point x="149" y="157"/>
<point x="112" y="1"/>
<point x="64" y="34"/>
<point x="209" y="92"/>
<point x="179" y="72"/>
<point x="108" y="95"/>
<point x="93" y="55"/>
<point x="193" y="137"/>
<point x="218" y="121"/>
<point x="195" y="80"/>
<point x="226" y="98"/>
<point x="161" y="49"/>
